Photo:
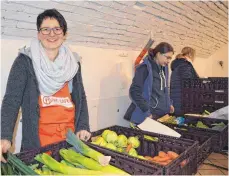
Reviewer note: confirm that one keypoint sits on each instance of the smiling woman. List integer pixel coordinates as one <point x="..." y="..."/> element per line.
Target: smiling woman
<point x="51" y="36"/>
<point x="45" y="80"/>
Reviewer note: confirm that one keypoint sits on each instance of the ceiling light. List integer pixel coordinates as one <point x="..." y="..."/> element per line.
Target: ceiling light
<point x="139" y="6"/>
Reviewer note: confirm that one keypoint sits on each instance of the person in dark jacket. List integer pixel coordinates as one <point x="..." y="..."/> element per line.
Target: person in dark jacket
<point x="45" y="81"/>
<point x="149" y="88"/>
<point x="182" y="68"/>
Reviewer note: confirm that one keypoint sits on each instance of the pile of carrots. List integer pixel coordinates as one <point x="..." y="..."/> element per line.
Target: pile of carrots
<point x="164" y="158"/>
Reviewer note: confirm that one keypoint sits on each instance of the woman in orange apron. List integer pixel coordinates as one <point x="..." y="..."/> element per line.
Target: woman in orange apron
<point x="57" y="115"/>
<point x="45" y="81"/>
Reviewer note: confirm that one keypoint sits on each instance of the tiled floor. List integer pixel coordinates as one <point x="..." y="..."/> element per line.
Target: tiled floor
<point x="217" y="159"/>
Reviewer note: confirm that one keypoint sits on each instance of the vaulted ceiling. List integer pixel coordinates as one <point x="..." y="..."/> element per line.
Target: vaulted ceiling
<point x="127" y="25"/>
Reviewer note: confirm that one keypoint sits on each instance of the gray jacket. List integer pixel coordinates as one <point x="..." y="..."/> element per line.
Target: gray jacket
<point x="22" y="91"/>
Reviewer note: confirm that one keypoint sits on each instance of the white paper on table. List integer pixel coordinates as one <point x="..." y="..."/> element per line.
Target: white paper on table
<point x="156" y="127"/>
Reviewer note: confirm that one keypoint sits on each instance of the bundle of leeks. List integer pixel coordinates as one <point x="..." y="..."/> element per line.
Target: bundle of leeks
<point x="83" y="160"/>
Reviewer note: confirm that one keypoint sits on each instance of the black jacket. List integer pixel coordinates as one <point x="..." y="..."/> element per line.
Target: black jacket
<point x="181" y="69"/>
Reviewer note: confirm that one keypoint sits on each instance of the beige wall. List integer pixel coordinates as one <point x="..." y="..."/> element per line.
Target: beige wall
<point x="210" y="67"/>
<point x="203" y="66"/>
<point x="220" y="55"/>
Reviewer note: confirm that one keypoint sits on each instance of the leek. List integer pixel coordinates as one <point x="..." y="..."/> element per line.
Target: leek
<point x="59" y="167"/>
<point x="85" y="150"/>
<point x="72" y="165"/>
<point x="74" y="157"/>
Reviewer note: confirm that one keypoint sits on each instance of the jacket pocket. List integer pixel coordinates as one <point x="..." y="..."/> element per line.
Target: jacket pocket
<point x="154" y="103"/>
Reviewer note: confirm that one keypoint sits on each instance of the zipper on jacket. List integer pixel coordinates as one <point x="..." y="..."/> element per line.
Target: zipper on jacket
<point x="163" y="76"/>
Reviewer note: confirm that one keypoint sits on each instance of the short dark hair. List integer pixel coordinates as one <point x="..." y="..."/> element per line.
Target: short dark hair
<point x="162" y="48"/>
<point x="52" y="13"/>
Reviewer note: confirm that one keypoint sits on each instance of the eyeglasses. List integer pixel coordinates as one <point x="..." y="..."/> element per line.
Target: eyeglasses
<point x="47" y="31"/>
<point x="167" y="57"/>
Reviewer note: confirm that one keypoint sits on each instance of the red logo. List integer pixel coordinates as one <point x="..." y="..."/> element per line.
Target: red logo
<point x="47" y="100"/>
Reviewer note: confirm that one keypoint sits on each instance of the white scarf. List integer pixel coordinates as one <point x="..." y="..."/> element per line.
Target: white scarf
<point x="52" y="75"/>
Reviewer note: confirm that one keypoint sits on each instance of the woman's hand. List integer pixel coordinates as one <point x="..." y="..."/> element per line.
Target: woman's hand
<point x="172" y="109"/>
<point x="84" y="135"/>
<point x="4" y="147"/>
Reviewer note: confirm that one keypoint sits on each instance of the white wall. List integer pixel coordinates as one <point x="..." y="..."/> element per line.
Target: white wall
<point x="203" y="66"/>
<point x="220" y="55"/>
<point x="209" y="67"/>
<point x="106" y="76"/>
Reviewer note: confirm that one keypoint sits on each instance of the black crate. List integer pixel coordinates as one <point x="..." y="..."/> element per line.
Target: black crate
<point x="207" y="84"/>
<point x="117" y="160"/>
<point x="125" y="162"/>
<point x="28" y="156"/>
<point x="220" y="137"/>
<point x="187" y="150"/>
<point x="202" y="94"/>
<point x="204" y="138"/>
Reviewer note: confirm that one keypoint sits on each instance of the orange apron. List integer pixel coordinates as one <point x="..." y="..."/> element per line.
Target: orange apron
<point x="57" y="114"/>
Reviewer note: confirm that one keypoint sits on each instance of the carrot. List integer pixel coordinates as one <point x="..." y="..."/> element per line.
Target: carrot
<point x="161" y="159"/>
<point x="172" y="154"/>
<point x="166" y="158"/>
<point x="156" y="158"/>
<point x="128" y="147"/>
<point x="149" y="158"/>
<point x="162" y="154"/>
<point x="169" y="161"/>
